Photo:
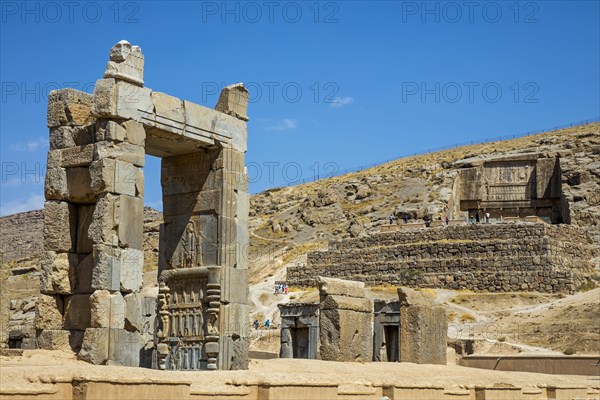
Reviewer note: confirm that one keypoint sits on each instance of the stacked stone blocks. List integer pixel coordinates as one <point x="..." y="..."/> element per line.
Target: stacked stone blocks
<point x="494" y="257"/>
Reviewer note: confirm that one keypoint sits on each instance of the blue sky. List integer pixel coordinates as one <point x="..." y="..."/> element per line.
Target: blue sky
<point x="333" y="85"/>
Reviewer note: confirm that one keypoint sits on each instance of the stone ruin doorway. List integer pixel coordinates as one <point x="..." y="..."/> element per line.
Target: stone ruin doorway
<point x="95" y="185"/>
<point x="299" y="330"/>
<point x="386" y="331"/>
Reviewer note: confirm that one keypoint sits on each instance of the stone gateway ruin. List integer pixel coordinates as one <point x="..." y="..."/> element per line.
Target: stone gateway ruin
<point x="93" y="220"/>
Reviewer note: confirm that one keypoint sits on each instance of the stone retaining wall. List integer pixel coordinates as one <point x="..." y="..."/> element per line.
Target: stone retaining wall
<point x="507" y="257"/>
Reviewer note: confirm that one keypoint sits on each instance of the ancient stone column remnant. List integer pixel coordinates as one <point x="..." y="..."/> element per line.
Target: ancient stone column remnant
<point x="423" y="328"/>
<point x="344" y="320"/>
<point x="93" y="219"/>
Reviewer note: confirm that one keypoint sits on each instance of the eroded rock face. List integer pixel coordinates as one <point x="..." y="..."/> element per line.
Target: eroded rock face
<point x="344" y="321"/>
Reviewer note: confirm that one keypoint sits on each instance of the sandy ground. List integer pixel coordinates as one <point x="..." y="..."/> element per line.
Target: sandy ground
<point x="42" y="366"/>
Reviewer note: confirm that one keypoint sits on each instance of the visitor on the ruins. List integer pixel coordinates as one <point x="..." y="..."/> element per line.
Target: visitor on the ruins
<point x="268" y="324"/>
<point x="405" y="217"/>
<point x="487" y="217"/>
<point x="447" y="220"/>
<point x="391" y="219"/>
<point x="256" y="324"/>
<point x="439" y="216"/>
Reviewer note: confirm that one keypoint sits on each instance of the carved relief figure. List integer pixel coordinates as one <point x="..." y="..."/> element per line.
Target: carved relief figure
<point x="191" y="246"/>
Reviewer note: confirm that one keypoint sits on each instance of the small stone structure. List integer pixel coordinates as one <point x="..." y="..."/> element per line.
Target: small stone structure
<point x="518" y="256"/>
<point x="21" y="323"/>
<point x="386" y="330"/>
<point x="510" y="186"/>
<point x="344" y="321"/>
<point x="423" y="328"/>
<point x="93" y="220"/>
<point x="299" y="330"/>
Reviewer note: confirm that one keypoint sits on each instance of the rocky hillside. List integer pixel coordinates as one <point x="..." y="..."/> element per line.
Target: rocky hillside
<point x="358" y="203"/>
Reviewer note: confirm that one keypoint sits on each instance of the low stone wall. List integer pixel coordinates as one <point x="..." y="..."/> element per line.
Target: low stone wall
<point x="494" y="257"/>
<point x="559" y="365"/>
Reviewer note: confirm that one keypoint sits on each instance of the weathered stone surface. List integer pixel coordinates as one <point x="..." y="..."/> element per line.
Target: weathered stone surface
<point x="126" y="152"/>
<point x="69" y="136"/>
<point x="341" y="287"/>
<point x="107" y="268"/>
<point x="133" y="312"/>
<point x="168" y="107"/>
<point x="69" y="107"/>
<point x="54" y="340"/>
<point x="84" y="274"/>
<point x="57" y="272"/>
<point x="126" y="63"/>
<point x="60" y="226"/>
<point x="85" y="214"/>
<point x="107" y="130"/>
<point x="130" y="217"/>
<point x="103" y="228"/>
<point x="76" y="156"/>
<point x="345" y="335"/>
<point x="77" y="312"/>
<point x="132" y="264"/>
<point x="493" y="257"/>
<point x="49" y="312"/>
<point x="344" y="321"/>
<point x="94" y="348"/>
<point x="233" y="100"/>
<point x="411" y="297"/>
<point x="115" y="176"/>
<point x="423" y="334"/>
<point x="135" y="133"/>
<point x="107" y="310"/>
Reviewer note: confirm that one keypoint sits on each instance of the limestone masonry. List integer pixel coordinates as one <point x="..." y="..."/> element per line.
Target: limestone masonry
<point x="495" y="257"/>
<point x="93" y="224"/>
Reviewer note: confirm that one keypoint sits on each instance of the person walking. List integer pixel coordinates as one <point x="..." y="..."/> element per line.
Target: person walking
<point x="268" y="324"/>
<point x="391" y="219"/>
<point x="487" y="217"/>
<point x="447" y="220"/>
<point x="405" y="217"/>
<point x="256" y="324"/>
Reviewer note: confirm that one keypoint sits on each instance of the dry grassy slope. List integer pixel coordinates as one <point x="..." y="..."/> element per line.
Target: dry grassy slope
<point x="357" y="203"/>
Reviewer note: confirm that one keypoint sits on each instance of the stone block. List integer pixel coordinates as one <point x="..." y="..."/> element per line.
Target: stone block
<point x="69" y="107"/>
<point x="69" y="136"/>
<point x="94" y="348"/>
<point x="77" y="314"/>
<point x="60" y="226"/>
<point x="56" y="186"/>
<point x="57" y="272"/>
<point x="341" y="287"/>
<point x="423" y="331"/>
<point x="122" y="151"/>
<point x="168" y="107"/>
<point x="49" y="312"/>
<point x="118" y="177"/>
<point x="133" y="312"/>
<point x="79" y="185"/>
<point x="76" y="156"/>
<point x="134" y="102"/>
<point x="130" y="217"/>
<point x="54" y="340"/>
<point x="105" y="98"/>
<point x="135" y="133"/>
<point x="124" y="348"/>
<point x="85" y="215"/>
<point x="103" y="228"/>
<point x="107" y="130"/>
<point x="409" y="297"/>
<point x="107" y="310"/>
<point x="107" y="268"/>
<point x="84" y="274"/>
<point x="346" y="303"/>
<point x="345" y="335"/>
<point x="132" y="265"/>
<point x="234" y="101"/>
